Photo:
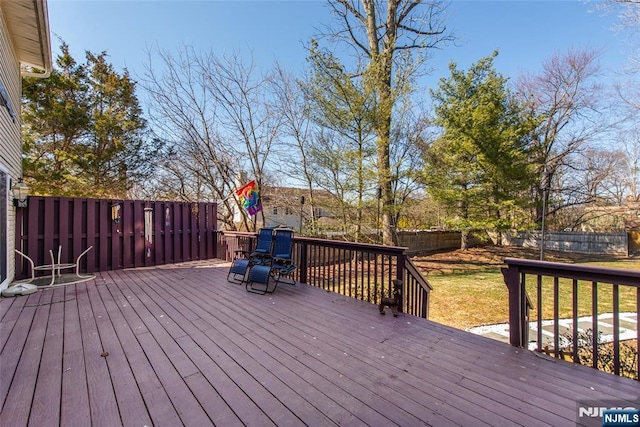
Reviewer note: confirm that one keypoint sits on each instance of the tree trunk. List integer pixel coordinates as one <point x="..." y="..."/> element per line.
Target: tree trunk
<point x="464" y="240"/>
<point x="383" y="130"/>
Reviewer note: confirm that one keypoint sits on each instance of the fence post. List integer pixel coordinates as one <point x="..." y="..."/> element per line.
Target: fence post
<point x="517" y="316"/>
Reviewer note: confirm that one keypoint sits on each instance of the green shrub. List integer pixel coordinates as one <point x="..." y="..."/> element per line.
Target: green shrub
<point x="605" y="356"/>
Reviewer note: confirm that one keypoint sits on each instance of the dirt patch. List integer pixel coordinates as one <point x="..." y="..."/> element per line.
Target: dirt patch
<point x="480" y="258"/>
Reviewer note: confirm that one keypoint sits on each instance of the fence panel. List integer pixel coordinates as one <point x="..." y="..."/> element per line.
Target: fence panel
<point x="123" y="233"/>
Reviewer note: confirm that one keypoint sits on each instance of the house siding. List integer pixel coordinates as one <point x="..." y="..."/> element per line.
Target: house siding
<point x="10" y="138"/>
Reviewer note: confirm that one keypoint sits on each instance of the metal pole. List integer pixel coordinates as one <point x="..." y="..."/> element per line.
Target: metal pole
<point x="545" y="192"/>
<point x="301" y="207"/>
<point x="378" y="219"/>
<point x="544" y="214"/>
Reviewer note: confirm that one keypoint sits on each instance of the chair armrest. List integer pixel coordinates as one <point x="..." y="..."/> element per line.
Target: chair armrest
<point x="79" y="258"/>
<point x="33" y="273"/>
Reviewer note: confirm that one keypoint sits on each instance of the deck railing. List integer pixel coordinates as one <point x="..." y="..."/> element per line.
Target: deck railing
<point x="358" y="270"/>
<point x="575" y="312"/>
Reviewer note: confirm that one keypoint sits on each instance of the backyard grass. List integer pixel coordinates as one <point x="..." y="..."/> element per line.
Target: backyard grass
<point x="469" y="289"/>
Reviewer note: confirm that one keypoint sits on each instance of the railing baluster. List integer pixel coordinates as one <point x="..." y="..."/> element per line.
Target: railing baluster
<point x="362" y="281"/>
<point x="355" y="259"/>
<point x="342" y="253"/>
<point x="333" y="271"/>
<point x="556" y="317"/>
<point x="539" y="311"/>
<point x="376" y="280"/>
<point x="342" y="271"/>
<point x="594" y="322"/>
<point x="576" y="314"/>
<point x="616" y="329"/>
<point x="386" y="274"/>
<point x="524" y="329"/>
<point x="369" y="278"/>
<point x="323" y="264"/>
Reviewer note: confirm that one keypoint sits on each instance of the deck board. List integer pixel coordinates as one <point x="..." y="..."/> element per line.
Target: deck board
<point x="26" y="354"/>
<point x="186" y="347"/>
<point x="129" y="400"/>
<point x="103" y="405"/>
<point x="46" y="400"/>
<point x="74" y="405"/>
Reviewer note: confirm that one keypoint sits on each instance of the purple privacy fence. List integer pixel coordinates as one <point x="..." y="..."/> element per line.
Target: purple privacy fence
<point x="123" y="233"/>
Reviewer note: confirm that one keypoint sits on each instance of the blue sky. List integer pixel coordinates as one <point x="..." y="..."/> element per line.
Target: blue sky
<point x="525" y="32"/>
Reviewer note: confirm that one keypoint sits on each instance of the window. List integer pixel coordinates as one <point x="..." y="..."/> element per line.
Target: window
<point x="288" y="211"/>
<point x="275" y="211"/>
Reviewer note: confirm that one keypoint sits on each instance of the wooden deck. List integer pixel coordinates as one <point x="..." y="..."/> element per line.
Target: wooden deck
<point x="179" y="345"/>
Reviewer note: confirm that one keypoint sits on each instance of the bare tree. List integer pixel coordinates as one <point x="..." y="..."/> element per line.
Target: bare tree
<point x="385" y="35"/>
<point x="409" y="131"/>
<point x="216" y="115"/>
<point x="296" y="129"/>
<point x="629" y="171"/>
<point x="566" y="97"/>
<point x="590" y="179"/>
<point x="628" y="12"/>
<point x="620" y="179"/>
<point x="628" y="28"/>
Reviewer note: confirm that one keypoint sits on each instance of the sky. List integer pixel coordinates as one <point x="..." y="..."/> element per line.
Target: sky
<point x="526" y="33"/>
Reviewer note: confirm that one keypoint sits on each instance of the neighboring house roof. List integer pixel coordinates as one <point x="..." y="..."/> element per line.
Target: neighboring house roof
<point x="28" y="25"/>
<point x="287" y="194"/>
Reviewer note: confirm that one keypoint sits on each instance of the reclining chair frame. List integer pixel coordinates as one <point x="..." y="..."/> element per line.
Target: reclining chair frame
<point x="280" y="265"/>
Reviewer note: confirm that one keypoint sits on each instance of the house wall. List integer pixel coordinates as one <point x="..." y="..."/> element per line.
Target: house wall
<point x="10" y="142"/>
<point x="282" y="217"/>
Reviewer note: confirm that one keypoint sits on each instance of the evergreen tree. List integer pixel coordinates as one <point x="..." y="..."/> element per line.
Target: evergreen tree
<point x="83" y="130"/>
<point x="54" y="117"/>
<point x="478" y="166"/>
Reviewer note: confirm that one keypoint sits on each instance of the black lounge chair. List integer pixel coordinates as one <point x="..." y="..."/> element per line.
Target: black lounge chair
<point x="243" y="260"/>
<point x="281" y="265"/>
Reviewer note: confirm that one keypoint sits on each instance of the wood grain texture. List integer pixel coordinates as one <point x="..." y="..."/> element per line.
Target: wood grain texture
<point x="186" y="347"/>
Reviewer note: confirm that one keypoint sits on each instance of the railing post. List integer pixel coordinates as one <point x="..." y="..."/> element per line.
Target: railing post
<point x="425" y="305"/>
<point x="400" y="276"/>
<point x="303" y="262"/>
<point x="517" y="316"/>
